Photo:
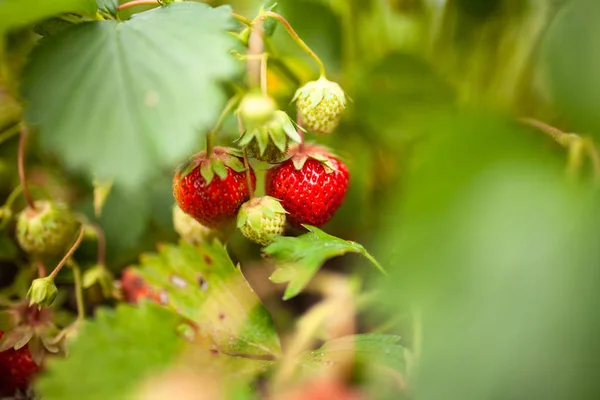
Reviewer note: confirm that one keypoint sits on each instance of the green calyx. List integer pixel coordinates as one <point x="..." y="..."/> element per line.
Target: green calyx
<point x="319" y="153"/>
<point x="269" y="142"/>
<point x="262" y="219"/>
<point x="47" y="229"/>
<point x="42" y="292"/>
<point x="256" y="109"/>
<point x="216" y="165"/>
<point x="320" y="104"/>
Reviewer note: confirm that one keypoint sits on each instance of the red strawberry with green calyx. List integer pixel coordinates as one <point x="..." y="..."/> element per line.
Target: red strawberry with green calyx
<point x="212" y="189"/>
<point x="311" y="185"/>
<point x="26" y="336"/>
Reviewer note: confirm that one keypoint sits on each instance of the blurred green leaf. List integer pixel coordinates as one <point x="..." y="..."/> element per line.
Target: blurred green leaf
<point x="573" y="62"/>
<point x="138" y="92"/>
<point x="109" y="6"/>
<point x="202" y="284"/>
<point x="299" y="258"/>
<point x="114" y="352"/>
<point x="497" y="252"/>
<point x="8" y="249"/>
<point x="20" y="13"/>
<point x="407" y="89"/>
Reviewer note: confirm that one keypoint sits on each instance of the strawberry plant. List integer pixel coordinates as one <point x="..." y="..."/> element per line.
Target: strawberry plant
<point x="182" y="184"/>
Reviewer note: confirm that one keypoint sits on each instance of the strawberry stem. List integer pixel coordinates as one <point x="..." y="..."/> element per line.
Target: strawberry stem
<point x="41" y="268"/>
<point x="135" y="3"/>
<point x="263" y="74"/>
<point x="255" y="58"/>
<point x="248" y="176"/>
<point x="21" y="166"/>
<point x="210" y="138"/>
<point x="300" y="131"/>
<point x="297" y="39"/>
<point x="69" y="254"/>
<point x="101" y="256"/>
<point x="242" y="19"/>
<point x="77" y="282"/>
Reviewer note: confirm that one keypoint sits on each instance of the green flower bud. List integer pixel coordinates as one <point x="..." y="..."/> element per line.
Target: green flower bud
<point x="42" y="292"/>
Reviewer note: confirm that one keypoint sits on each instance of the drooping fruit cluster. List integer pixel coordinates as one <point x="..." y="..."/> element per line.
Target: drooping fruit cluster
<point x="212" y="188"/>
<point x="311" y="185"/>
<point x="262" y="219"/>
<point x="47" y="229"/>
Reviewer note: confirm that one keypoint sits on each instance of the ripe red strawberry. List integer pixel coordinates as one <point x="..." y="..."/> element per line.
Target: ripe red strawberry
<point x="212" y="200"/>
<point x="311" y="185"/>
<point x="16" y="369"/>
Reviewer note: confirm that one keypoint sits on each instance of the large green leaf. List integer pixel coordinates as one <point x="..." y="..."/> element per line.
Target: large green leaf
<point x="114" y="353"/>
<point x="18" y="13"/>
<point x="202" y="284"/>
<point x="299" y="258"/>
<point x="139" y="92"/>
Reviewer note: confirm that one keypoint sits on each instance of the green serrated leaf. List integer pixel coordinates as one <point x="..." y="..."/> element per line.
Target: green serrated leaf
<point x="164" y="62"/>
<point x="307" y="253"/>
<point x="219" y="168"/>
<point x="20" y="13"/>
<point x="235" y="164"/>
<point x="207" y="172"/>
<point x="204" y="286"/>
<point x="136" y="341"/>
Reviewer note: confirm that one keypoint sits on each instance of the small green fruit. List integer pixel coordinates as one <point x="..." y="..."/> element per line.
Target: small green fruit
<point x="46" y="230"/>
<point x="42" y="292"/>
<point x="189" y="229"/>
<point x="320" y="104"/>
<point x="256" y="109"/>
<point x="262" y="219"/>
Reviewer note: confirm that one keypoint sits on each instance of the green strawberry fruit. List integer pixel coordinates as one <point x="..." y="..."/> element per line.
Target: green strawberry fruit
<point x="320" y="104"/>
<point x="189" y="229"/>
<point x="256" y="109"/>
<point x="42" y="292"/>
<point x="261" y="219"/>
<point x="46" y="230"/>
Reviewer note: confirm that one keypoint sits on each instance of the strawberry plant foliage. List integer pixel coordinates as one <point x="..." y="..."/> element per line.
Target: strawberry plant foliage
<point x="203" y="285"/>
<point x="19" y="13"/>
<point x="136" y="341"/>
<point x="148" y="80"/>
<point x="299" y="258"/>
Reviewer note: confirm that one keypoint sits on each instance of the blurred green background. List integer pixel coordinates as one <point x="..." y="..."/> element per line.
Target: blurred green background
<point x="492" y="249"/>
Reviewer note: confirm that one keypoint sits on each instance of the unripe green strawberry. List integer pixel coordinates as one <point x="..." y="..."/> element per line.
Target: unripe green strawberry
<point x="46" y="230"/>
<point x="320" y="104"/>
<point x="269" y="142"/>
<point x="256" y="109"/>
<point x="42" y="292"/>
<point x="261" y="219"/>
<point x="189" y="229"/>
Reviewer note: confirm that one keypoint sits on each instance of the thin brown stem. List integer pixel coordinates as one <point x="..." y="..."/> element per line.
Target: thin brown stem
<point x="69" y="254"/>
<point x="21" y="166"/>
<point x="556" y="134"/>
<point x="248" y="175"/>
<point x="297" y="39"/>
<point x="42" y="271"/>
<point x="101" y="256"/>
<point x="135" y="3"/>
